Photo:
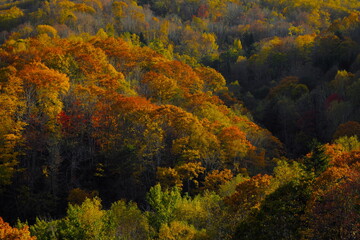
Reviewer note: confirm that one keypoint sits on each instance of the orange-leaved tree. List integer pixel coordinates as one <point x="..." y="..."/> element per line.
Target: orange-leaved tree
<point x="159" y="87"/>
<point x="216" y="178"/>
<point x="235" y="146"/>
<point x="9" y="233"/>
<point x="250" y="193"/>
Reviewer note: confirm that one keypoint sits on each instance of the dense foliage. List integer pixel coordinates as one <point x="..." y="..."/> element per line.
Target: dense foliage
<point x="209" y="119"/>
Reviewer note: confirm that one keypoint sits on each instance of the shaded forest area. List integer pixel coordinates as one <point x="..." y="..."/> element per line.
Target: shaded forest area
<point x="186" y="119"/>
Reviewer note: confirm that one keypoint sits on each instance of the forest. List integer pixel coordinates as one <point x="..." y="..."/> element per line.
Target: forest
<point x="180" y="120"/>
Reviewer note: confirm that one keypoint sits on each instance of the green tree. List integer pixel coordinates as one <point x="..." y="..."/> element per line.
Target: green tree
<point x="84" y="221"/>
<point x="46" y="230"/>
<point x="126" y="221"/>
<point x="163" y="204"/>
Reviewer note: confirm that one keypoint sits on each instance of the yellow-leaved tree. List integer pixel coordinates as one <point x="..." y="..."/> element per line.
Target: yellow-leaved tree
<point x="11" y="107"/>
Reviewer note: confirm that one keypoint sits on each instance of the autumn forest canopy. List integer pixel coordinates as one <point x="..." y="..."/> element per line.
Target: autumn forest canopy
<point x="184" y="119"/>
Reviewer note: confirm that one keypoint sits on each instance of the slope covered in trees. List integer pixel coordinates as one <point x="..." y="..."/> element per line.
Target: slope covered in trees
<point x="200" y="115"/>
<point x="260" y="46"/>
<point x="104" y="114"/>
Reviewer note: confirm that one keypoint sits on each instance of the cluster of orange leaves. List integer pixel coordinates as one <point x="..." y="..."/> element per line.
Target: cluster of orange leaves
<point x="250" y="193"/>
<point x="9" y="233"/>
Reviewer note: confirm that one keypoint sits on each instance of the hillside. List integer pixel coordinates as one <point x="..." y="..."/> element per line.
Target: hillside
<point x="180" y="119"/>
